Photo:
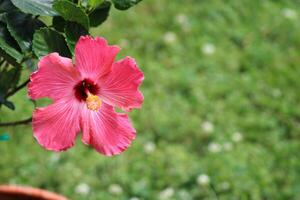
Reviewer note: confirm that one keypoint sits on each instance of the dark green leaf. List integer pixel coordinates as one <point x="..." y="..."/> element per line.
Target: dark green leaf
<point x="59" y="23"/>
<point x="10" y="59"/>
<point x="8" y="44"/>
<point x="71" y="12"/>
<point x="16" y="21"/>
<point x="6" y="6"/>
<point x="100" y="14"/>
<point x="9" y="104"/>
<point x="35" y="7"/>
<point x="9" y="78"/>
<point x="73" y="32"/>
<point x="46" y="41"/>
<point x="3" y="17"/>
<point x="125" y="4"/>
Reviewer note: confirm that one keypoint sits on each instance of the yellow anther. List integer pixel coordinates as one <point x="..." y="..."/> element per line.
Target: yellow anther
<point x="93" y="102"/>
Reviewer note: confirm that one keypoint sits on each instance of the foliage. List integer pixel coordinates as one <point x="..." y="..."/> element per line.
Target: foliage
<point x="26" y="34"/>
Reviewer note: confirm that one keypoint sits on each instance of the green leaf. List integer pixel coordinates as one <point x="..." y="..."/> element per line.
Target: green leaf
<point x="73" y="32"/>
<point x="16" y="21"/>
<point x="71" y="12"/>
<point x="46" y="41"/>
<point x="100" y="14"/>
<point x="95" y="3"/>
<point x="8" y="44"/>
<point x="35" y="7"/>
<point x="125" y="4"/>
<point x="59" y="23"/>
<point x="11" y="60"/>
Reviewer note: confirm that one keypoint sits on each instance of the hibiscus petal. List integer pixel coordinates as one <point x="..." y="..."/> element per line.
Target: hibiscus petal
<point x="55" y="78"/>
<point x="94" y="57"/>
<point x="55" y="127"/>
<point x="110" y="133"/>
<point x="121" y="86"/>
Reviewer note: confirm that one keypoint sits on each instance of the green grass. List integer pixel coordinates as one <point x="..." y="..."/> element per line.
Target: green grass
<point x="250" y="84"/>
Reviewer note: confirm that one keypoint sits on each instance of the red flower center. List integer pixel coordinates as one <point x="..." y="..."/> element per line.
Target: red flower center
<point x="83" y="88"/>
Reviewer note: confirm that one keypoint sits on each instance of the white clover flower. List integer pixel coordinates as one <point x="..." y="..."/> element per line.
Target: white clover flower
<point x="237" y="137"/>
<point x="207" y="127"/>
<point x="289" y="13"/>
<point x="225" y="185"/>
<point x="208" y="49"/>
<point x="166" y="193"/>
<point x="169" y="37"/>
<point x="276" y="93"/>
<point x="181" y="19"/>
<point x="227" y="146"/>
<point x="184" y="195"/>
<point x="83" y="189"/>
<point x="203" y="180"/>
<point x="149" y="147"/>
<point x="115" y="189"/>
<point x="214" y="147"/>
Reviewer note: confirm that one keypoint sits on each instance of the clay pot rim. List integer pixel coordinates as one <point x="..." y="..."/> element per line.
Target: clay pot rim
<point x="30" y="191"/>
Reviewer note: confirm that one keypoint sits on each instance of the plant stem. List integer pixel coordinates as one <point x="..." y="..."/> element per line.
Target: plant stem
<point x="214" y="192"/>
<point x="17" y="89"/>
<point x="24" y="121"/>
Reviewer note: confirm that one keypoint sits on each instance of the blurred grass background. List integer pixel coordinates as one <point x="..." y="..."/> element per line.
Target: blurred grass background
<point x="221" y="117"/>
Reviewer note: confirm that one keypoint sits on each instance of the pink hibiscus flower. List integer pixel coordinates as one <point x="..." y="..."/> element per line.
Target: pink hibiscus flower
<point x="84" y="96"/>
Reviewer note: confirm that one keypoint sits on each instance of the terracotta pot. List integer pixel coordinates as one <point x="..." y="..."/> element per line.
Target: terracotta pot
<point x="14" y="192"/>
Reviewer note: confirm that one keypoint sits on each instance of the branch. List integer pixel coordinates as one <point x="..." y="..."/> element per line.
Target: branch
<point x="25" y="121"/>
<point x="17" y="89"/>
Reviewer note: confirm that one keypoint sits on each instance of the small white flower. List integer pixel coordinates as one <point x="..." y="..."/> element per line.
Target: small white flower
<point x="289" y="13"/>
<point x="214" y="147"/>
<point x="170" y="37"/>
<point x="166" y="193"/>
<point x="181" y="19"/>
<point x="225" y="185"/>
<point x="149" y="147"/>
<point x="276" y="93"/>
<point x="203" y="179"/>
<point x="237" y="137"/>
<point x="115" y="189"/>
<point x="134" y="198"/>
<point x="208" y="49"/>
<point x="184" y="195"/>
<point x="83" y="189"/>
<point x="207" y="127"/>
<point x="227" y="146"/>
